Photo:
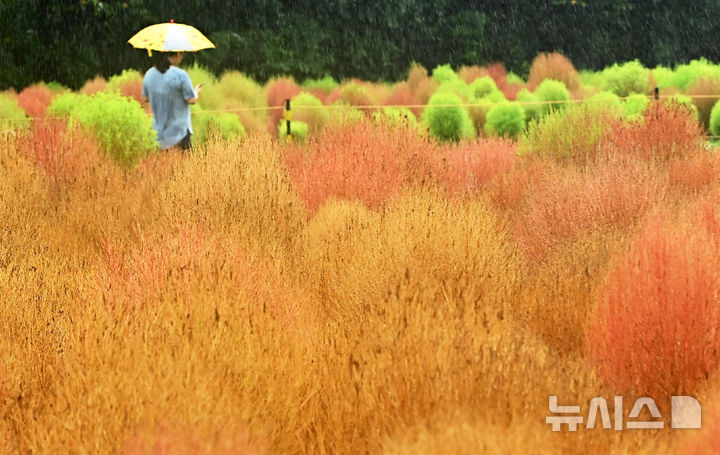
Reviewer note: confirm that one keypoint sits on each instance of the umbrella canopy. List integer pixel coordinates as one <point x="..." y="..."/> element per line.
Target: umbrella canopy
<point x="170" y="37"/>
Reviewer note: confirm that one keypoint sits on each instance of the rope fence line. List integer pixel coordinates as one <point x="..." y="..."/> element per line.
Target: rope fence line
<point x="408" y="106"/>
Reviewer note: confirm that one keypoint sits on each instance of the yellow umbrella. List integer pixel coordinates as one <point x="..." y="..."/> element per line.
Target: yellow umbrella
<point x="170" y="37"/>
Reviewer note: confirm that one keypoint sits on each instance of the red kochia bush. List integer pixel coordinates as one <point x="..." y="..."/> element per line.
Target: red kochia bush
<point x="362" y="161"/>
<point x="553" y="66"/>
<point x="167" y="265"/>
<point x="470" y="166"/>
<point x="402" y="95"/>
<point x="695" y="173"/>
<point x="35" y="100"/>
<point x="278" y="91"/>
<point x="567" y="201"/>
<point x="62" y="152"/>
<point x="132" y="89"/>
<point x="666" y="130"/>
<point x="656" y="327"/>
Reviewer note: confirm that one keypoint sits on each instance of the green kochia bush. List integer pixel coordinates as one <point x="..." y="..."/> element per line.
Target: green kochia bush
<point x="447" y="119"/>
<point x="326" y="84"/>
<point x="444" y="73"/>
<point x="529" y="102"/>
<point x="117" y="81"/>
<point x="120" y="124"/>
<point x="715" y="119"/>
<point x="553" y="93"/>
<point x="686" y="74"/>
<point x="506" y="119"/>
<point x="396" y="116"/>
<point x="298" y="130"/>
<point x="226" y="125"/>
<point x="309" y="109"/>
<point x="483" y="86"/>
<point x="63" y="104"/>
<point x="634" y="106"/>
<point x="458" y="87"/>
<point x="630" y="77"/>
<point x="573" y="133"/>
<point x="11" y="114"/>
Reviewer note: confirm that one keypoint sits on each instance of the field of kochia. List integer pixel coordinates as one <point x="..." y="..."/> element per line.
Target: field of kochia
<point x="395" y="280"/>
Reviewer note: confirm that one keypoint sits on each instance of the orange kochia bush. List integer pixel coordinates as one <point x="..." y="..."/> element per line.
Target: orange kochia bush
<point x="655" y="331"/>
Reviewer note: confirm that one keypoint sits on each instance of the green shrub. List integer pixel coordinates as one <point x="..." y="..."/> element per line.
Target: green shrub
<point x="574" y="132"/>
<point x="116" y="82"/>
<point x="208" y="124"/>
<point x="56" y="86"/>
<point x="481" y="106"/>
<point x="606" y="99"/>
<point x="507" y="119"/>
<point x="447" y="119"/>
<point x="298" y="130"/>
<point x="590" y="78"/>
<point x="11" y="114"/>
<point x="458" y="87"/>
<point x="308" y="108"/>
<point x="483" y="86"/>
<point x="397" y="116"/>
<point x="233" y="90"/>
<point x="356" y="94"/>
<point x="63" y="104"/>
<point x="327" y="84"/>
<point x="634" y="106"/>
<point x="715" y="119"/>
<point x="513" y="78"/>
<point x="552" y="93"/>
<point x="200" y="75"/>
<point x="120" y="124"/>
<point x="343" y="114"/>
<point x="529" y="102"/>
<point x="444" y="73"/>
<point x="663" y="77"/>
<point x="630" y="77"/>
<point x="686" y="74"/>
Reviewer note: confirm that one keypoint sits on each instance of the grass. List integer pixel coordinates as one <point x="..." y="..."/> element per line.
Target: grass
<point x="371" y="291"/>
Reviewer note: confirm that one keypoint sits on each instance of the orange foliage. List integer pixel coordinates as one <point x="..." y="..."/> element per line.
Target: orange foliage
<point x="35" y="99"/>
<point x="62" y="152"/>
<point x="655" y="331"/>
<point x="420" y="83"/>
<point x="667" y="130"/>
<point x="278" y="91"/>
<point x="470" y="73"/>
<point x="167" y="440"/>
<point x="567" y="201"/>
<point x="164" y="264"/>
<point x="695" y="173"/>
<point x="132" y="89"/>
<point x="470" y="166"/>
<point x="93" y="86"/>
<point x="553" y="66"/>
<point x="363" y="161"/>
<point x="403" y="95"/>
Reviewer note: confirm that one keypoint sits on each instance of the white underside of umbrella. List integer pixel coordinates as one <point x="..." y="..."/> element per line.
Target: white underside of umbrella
<point x="176" y="40"/>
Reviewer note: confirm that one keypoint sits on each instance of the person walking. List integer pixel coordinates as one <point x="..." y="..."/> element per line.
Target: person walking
<point x="170" y="93"/>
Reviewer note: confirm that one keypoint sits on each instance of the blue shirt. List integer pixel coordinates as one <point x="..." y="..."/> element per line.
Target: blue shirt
<point x="168" y="93"/>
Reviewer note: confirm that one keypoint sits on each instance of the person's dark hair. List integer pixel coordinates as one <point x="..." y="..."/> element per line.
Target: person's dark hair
<point x="160" y="60"/>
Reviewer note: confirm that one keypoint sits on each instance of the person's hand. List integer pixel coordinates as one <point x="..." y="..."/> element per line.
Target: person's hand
<point x="198" y="88"/>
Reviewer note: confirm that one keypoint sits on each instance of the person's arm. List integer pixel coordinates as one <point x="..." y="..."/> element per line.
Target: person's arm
<point x="194" y="99"/>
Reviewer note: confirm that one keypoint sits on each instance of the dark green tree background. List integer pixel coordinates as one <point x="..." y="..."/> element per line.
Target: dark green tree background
<point x="71" y="41"/>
